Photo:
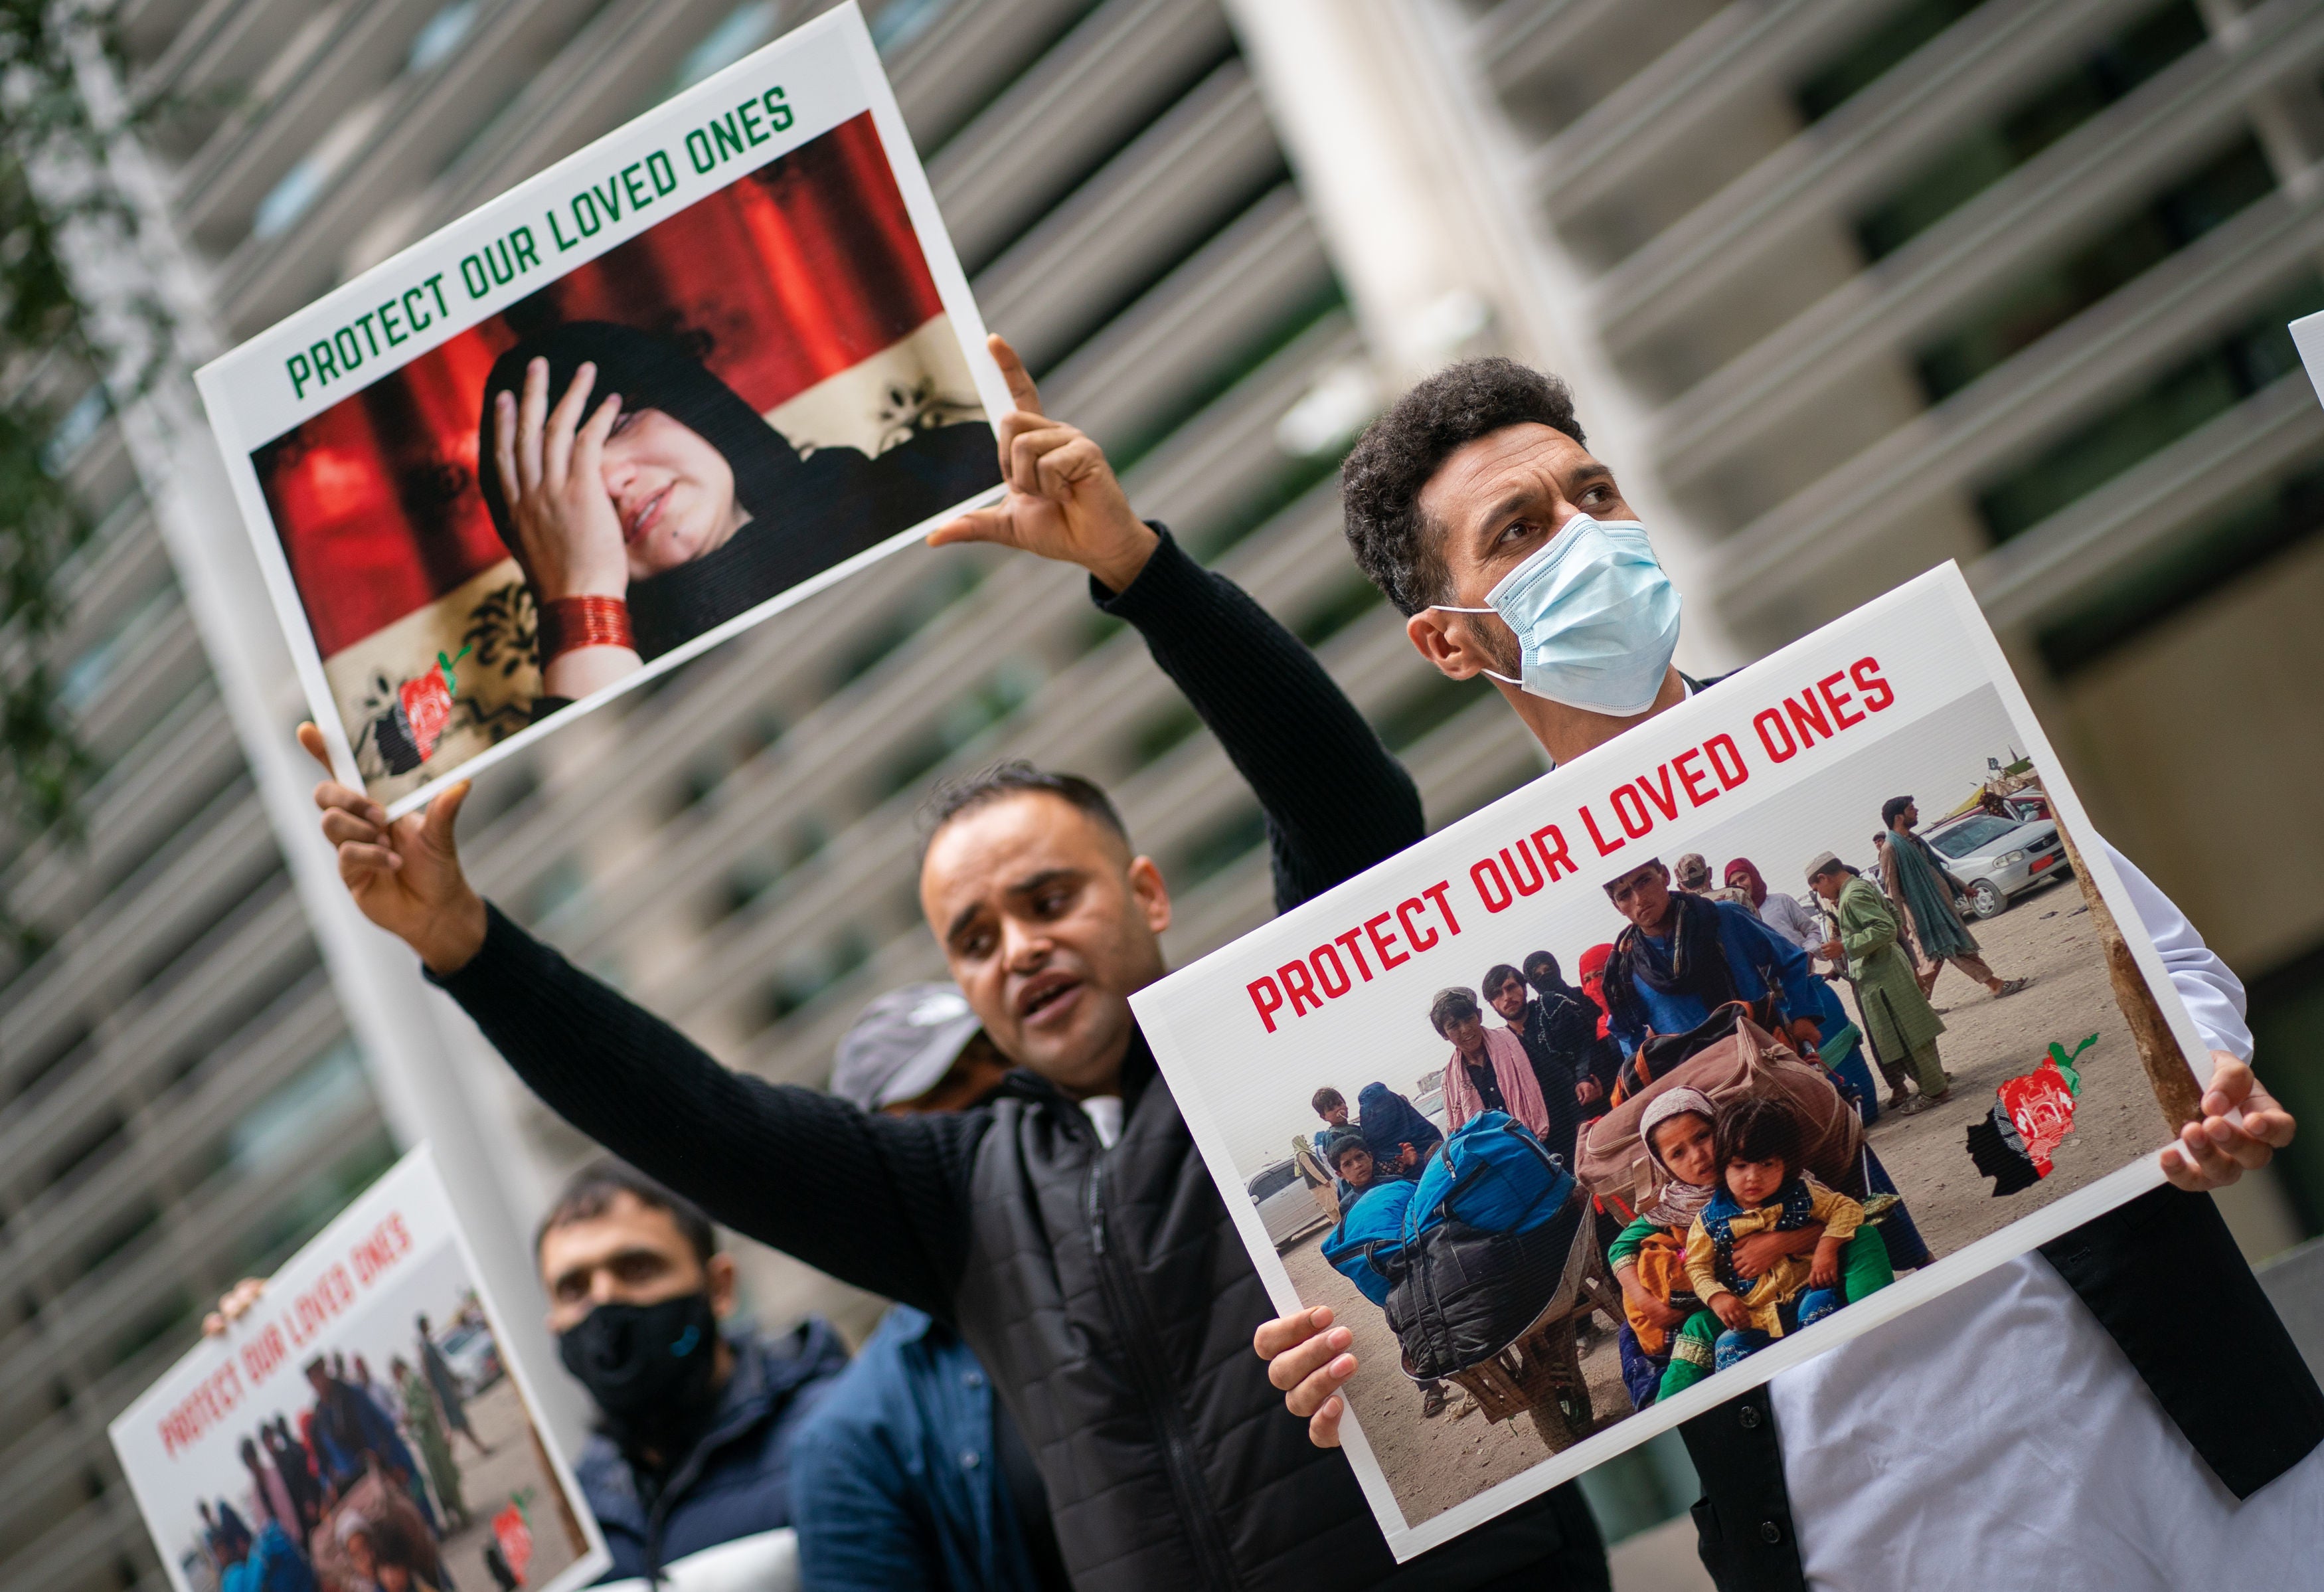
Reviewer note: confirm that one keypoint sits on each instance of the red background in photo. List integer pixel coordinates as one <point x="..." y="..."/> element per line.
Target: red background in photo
<point x="783" y="278"/>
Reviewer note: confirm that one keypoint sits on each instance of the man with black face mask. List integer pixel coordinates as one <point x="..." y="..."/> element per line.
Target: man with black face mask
<point x="693" y="1449"/>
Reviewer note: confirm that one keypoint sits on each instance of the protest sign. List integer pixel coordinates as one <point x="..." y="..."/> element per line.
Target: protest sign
<point x="1631" y="950"/>
<point x="762" y="369"/>
<point x="2307" y="337"/>
<point x="364" y="1424"/>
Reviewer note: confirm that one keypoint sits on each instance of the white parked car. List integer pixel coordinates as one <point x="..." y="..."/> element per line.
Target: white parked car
<point x="1286" y="1204"/>
<point x="1999" y="859"/>
<point x="475" y="1357"/>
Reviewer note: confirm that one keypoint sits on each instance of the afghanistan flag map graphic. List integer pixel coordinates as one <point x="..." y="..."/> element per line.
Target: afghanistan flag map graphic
<point x="2031" y="1118"/>
<point x="406" y="733"/>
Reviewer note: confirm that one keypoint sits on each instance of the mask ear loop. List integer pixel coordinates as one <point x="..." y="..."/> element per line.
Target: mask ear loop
<point x="1488" y="674"/>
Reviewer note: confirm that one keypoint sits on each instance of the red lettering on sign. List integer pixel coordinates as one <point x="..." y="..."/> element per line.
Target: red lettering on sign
<point x="1728" y="776"/>
<point x="1549" y="845"/>
<point x="1838" y="702"/>
<point x="1299" y="987"/>
<point x="1384" y="945"/>
<point x="1667" y="799"/>
<point x="1267" y="996"/>
<point x="1323" y="957"/>
<point x="1770" y="724"/>
<point x="1636" y="827"/>
<point x="1491" y="888"/>
<point x="1807" y="718"/>
<point x="1412" y="936"/>
<point x="1878" y="692"/>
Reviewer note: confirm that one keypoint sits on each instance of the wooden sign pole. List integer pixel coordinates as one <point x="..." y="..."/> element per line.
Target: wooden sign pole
<point x="2175" y="1087"/>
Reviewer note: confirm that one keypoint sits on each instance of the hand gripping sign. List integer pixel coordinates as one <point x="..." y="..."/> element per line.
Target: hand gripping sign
<point x="717" y="360"/>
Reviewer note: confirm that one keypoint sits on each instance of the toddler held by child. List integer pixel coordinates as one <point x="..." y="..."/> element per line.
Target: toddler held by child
<point x="1763" y="1188"/>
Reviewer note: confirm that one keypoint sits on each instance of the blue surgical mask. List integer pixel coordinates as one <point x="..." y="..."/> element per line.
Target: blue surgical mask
<point x="1596" y="619"/>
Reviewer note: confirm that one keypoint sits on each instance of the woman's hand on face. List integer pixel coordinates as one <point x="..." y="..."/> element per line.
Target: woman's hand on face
<point x="1064" y="502"/>
<point x="552" y="476"/>
<point x="406" y="875"/>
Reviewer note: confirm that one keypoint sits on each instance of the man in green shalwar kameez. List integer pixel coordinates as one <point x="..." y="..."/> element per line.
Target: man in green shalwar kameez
<point x="427" y="1430"/>
<point x="1896" y="1014"/>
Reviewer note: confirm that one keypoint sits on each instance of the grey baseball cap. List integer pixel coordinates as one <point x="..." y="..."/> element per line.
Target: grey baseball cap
<point x="903" y="1043"/>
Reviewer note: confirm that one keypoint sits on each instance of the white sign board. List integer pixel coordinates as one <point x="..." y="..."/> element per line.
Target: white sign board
<point x="739" y="361"/>
<point x="366" y="1416"/>
<point x="1382" y="991"/>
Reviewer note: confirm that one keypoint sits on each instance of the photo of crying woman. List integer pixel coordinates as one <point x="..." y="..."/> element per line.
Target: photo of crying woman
<point x="647" y="503"/>
<point x="700" y="422"/>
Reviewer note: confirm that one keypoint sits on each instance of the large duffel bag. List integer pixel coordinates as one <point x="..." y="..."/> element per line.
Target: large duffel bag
<point x="1492" y="1174"/>
<point x="1749" y="1061"/>
<point x="1486" y="1235"/>
<point x="1465" y="1294"/>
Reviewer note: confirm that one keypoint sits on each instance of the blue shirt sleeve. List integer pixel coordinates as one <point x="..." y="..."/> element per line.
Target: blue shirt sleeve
<point x="849" y="1502"/>
<point x="894" y="1480"/>
<point x="1780" y="966"/>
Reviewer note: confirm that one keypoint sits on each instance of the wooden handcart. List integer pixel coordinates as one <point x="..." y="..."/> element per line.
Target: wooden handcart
<point x="1538" y="1373"/>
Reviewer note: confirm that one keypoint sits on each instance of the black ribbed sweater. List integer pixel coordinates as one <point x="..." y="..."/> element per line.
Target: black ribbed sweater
<point x="877" y="1200"/>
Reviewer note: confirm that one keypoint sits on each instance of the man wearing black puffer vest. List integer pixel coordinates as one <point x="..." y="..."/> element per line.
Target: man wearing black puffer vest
<point x="1068" y="1229"/>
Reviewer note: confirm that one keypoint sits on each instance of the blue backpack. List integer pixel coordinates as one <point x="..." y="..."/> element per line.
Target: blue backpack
<point x="1492" y="1174"/>
<point x="1370" y="1237"/>
<point x="1487" y="1235"/>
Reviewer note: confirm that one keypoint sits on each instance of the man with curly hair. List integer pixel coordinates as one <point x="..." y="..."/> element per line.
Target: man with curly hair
<point x="1475" y="506"/>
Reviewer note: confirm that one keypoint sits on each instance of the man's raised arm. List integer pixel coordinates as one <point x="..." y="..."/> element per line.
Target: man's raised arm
<point x="877" y="1201"/>
<point x="1336" y="802"/>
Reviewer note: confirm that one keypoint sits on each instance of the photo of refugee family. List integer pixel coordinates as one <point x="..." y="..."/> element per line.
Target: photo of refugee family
<point x="1629" y="1131"/>
<point x="696" y="422"/>
<point x="360" y="1431"/>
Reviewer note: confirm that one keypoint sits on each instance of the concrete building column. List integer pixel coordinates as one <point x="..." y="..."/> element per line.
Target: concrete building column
<point x="427" y="1065"/>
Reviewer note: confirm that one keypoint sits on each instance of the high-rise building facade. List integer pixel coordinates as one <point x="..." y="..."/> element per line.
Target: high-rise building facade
<point x="193" y="1072"/>
<point x="1851" y="287"/>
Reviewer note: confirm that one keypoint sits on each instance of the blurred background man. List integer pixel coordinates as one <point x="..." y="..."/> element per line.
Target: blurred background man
<point x="696" y="1408"/>
<point x="910" y="1473"/>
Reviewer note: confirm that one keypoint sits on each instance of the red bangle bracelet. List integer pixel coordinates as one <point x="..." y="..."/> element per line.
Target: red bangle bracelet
<point x="570" y="623"/>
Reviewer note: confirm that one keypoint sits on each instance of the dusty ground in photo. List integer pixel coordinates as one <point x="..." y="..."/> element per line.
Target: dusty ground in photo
<point x="2047" y="935"/>
<point x="1433" y="1464"/>
<point x="512" y="1470"/>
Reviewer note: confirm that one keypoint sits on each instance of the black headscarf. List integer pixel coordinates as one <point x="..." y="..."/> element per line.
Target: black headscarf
<point x="806" y="514"/>
<point x="1696" y="964"/>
